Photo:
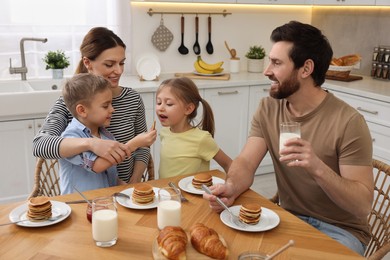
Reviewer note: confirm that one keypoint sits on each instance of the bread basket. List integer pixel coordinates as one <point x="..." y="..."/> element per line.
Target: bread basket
<point x="339" y="71"/>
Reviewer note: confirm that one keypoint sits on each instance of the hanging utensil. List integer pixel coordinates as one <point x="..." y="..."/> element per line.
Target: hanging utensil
<point x="182" y="49"/>
<point x="196" y="45"/>
<point x="209" y="46"/>
<point x="162" y="37"/>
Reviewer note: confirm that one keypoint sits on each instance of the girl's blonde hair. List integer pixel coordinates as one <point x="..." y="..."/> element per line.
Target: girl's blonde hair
<point x="185" y="90"/>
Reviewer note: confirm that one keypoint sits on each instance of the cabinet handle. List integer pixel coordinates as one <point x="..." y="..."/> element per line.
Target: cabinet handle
<point x="367" y="111"/>
<point x="373" y="140"/>
<point x="30" y="126"/>
<point x="227" y="92"/>
<point x="39" y="125"/>
<point x="265" y="89"/>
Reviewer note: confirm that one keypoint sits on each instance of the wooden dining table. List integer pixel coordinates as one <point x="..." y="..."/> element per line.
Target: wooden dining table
<point x="72" y="237"/>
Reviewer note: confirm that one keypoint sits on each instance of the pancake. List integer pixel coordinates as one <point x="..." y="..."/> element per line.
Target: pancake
<point x="250" y="213"/>
<point x="39" y="208"/>
<point x="202" y="178"/>
<point x="143" y="193"/>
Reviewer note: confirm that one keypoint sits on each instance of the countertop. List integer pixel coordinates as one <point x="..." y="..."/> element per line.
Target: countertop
<point x="36" y="104"/>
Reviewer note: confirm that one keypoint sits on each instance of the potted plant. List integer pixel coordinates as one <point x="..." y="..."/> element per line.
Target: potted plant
<point x="255" y="57"/>
<point x="57" y="62"/>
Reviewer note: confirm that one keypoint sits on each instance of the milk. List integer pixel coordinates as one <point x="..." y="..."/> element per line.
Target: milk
<point x="168" y="213"/>
<point x="105" y="225"/>
<point x="285" y="136"/>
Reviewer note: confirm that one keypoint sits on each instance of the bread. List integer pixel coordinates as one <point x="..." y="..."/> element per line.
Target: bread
<point x="39" y="208"/>
<point x="250" y="213"/>
<point x="206" y="241"/>
<point x="347" y="60"/>
<point x="143" y="193"/>
<point x="202" y="178"/>
<point x="172" y="242"/>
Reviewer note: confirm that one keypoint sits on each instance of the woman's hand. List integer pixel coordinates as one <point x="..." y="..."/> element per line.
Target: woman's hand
<point x="113" y="151"/>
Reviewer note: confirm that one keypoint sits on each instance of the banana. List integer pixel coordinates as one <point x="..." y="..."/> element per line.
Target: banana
<point x="207" y="66"/>
<point x="199" y="69"/>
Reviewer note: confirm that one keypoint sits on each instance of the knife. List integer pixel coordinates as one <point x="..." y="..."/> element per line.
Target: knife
<point x="77" y="201"/>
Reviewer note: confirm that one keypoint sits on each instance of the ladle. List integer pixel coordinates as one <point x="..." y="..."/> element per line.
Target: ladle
<point x="209" y="46"/>
<point x="182" y="49"/>
<point x="196" y="44"/>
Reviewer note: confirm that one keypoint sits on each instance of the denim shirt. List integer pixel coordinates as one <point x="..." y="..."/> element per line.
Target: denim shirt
<point x="77" y="170"/>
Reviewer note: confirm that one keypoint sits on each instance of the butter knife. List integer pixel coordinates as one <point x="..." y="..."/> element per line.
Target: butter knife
<point x="78" y="201"/>
<point x="182" y="198"/>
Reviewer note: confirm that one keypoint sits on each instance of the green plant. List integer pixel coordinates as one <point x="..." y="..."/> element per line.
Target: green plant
<point x="255" y="52"/>
<point x="56" y="60"/>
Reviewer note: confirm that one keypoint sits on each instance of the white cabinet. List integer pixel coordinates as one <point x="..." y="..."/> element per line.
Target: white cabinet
<point x="274" y="2"/>
<point x="256" y="93"/>
<point x="17" y="161"/>
<point x="230" y="107"/>
<point x="382" y="2"/>
<point x="343" y="2"/>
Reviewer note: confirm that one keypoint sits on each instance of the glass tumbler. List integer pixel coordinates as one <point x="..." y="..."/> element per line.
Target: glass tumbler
<point x="168" y="208"/>
<point x="104" y="221"/>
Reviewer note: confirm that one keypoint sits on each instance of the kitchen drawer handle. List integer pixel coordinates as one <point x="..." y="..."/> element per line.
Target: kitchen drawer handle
<point x="373" y="140"/>
<point x="266" y="89"/>
<point x="367" y="111"/>
<point x="227" y="92"/>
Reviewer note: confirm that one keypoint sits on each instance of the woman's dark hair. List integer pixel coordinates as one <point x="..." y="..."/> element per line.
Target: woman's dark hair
<point x="308" y="43"/>
<point x="96" y="41"/>
<point x="186" y="90"/>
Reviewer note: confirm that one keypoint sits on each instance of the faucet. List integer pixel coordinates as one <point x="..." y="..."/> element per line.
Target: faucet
<point x="23" y="69"/>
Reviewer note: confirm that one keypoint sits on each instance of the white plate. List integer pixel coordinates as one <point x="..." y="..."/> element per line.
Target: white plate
<point x="57" y="208"/>
<point x="268" y="220"/>
<point x="128" y="203"/>
<point x="148" y="67"/>
<point x="215" y="74"/>
<point x="186" y="185"/>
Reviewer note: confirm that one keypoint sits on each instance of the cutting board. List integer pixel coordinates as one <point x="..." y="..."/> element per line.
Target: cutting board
<point x="349" y="79"/>
<point x="225" y="76"/>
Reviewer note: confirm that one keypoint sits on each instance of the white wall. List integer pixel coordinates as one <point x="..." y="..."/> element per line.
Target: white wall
<point x="248" y="25"/>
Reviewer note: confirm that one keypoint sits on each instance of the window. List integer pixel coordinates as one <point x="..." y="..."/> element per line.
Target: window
<point x="63" y="22"/>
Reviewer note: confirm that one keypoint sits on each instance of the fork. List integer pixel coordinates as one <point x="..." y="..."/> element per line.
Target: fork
<point x="119" y="194"/>
<point x="182" y="198"/>
<point x="22" y="220"/>
<point x="233" y="217"/>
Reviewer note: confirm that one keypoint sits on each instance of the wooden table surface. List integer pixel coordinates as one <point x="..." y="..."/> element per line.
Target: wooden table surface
<point x="72" y="238"/>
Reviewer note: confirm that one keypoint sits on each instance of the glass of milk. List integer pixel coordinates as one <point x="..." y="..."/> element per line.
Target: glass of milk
<point x="104" y="221"/>
<point x="288" y="130"/>
<point x="168" y="208"/>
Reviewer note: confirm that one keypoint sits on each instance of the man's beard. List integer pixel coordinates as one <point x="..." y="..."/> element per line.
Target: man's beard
<point x="287" y="88"/>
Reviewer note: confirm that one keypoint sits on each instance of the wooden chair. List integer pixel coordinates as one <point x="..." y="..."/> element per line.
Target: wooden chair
<point x="47" y="178"/>
<point x="149" y="173"/>
<point x="379" y="218"/>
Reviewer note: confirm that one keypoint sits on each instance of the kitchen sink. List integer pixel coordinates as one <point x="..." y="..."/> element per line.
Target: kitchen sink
<point x="46" y="84"/>
<point x="14" y="87"/>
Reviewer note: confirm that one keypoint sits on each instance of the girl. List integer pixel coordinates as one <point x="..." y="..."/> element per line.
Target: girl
<point x="185" y="148"/>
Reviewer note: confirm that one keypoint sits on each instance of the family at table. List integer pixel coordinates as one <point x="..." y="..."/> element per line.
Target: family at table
<point x="97" y="129"/>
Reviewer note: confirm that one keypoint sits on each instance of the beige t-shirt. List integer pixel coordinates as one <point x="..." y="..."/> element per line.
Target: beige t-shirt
<point x="338" y="135"/>
<point x="184" y="153"/>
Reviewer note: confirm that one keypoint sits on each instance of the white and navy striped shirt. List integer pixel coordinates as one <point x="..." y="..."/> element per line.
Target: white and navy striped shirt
<point x="127" y="121"/>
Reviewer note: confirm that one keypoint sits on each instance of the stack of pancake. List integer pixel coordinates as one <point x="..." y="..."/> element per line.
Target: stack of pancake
<point x="250" y="213"/>
<point x="39" y="208"/>
<point x="143" y="193"/>
<point x="202" y="178"/>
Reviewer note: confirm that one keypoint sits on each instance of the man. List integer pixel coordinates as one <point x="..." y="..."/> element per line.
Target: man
<point x="324" y="177"/>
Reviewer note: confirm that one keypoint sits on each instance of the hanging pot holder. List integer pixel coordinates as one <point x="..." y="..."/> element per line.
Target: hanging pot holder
<point x="162" y="37"/>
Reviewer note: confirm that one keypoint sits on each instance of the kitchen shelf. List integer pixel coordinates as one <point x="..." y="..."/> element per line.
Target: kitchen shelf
<point x="224" y="13"/>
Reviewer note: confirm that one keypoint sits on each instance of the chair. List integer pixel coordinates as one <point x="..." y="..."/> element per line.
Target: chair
<point x="46" y="181"/>
<point x="379" y="218"/>
<point x="149" y="173"/>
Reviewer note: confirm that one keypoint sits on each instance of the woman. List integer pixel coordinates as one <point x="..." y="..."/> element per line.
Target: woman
<point x="103" y="54"/>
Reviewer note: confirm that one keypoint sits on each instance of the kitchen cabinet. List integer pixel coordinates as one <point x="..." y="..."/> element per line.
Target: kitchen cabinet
<point x="18" y="163"/>
<point x="230" y="107"/>
<point x="377" y="117"/>
<point x="343" y="2"/>
<point x="275" y="2"/>
<point x="382" y="2"/>
<point x="256" y="93"/>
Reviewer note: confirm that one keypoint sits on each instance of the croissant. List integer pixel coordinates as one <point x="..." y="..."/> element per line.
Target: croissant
<point x="206" y="241"/>
<point x="172" y="242"/>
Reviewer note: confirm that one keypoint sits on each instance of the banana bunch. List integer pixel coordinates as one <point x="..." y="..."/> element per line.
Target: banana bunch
<point x="202" y="67"/>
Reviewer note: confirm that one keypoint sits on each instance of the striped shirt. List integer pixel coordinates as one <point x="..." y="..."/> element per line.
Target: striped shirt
<point x="127" y="121"/>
